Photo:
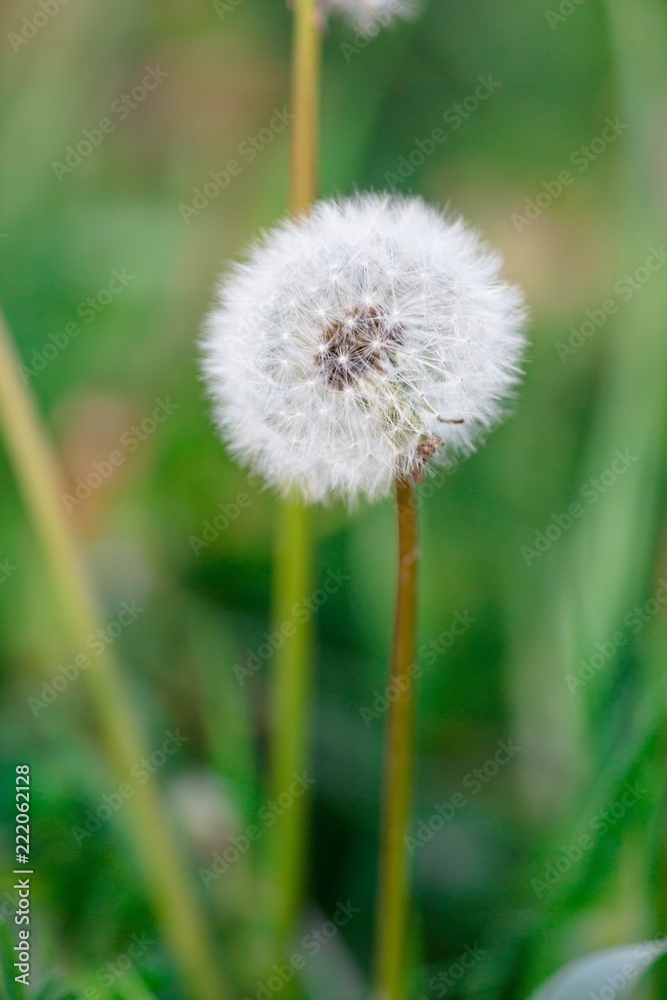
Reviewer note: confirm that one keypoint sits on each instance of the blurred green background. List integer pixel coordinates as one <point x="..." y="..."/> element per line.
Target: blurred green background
<point x="563" y="649"/>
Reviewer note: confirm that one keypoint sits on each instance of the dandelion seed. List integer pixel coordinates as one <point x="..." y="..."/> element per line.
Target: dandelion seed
<point x="406" y="361"/>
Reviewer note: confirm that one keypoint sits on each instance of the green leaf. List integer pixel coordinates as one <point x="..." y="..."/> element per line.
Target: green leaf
<point x="133" y="987"/>
<point x="616" y="970"/>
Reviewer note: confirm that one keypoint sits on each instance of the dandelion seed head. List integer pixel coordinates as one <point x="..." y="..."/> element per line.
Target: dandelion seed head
<point x="406" y="361"/>
<point x="368" y="16"/>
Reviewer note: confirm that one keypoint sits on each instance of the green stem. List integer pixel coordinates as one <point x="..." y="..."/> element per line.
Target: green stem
<point x="394" y="893"/>
<point x="169" y="885"/>
<point x="293" y="558"/>
<point x="291" y="696"/>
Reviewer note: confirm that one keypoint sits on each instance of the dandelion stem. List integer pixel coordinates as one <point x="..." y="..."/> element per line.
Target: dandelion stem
<point x="306" y="59"/>
<point x="293" y="557"/>
<point x="291" y="695"/>
<point x="393" y="901"/>
<point x="169" y="885"/>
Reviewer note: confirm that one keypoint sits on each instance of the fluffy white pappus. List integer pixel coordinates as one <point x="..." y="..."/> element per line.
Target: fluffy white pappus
<point x="368" y="16"/>
<point x="368" y="340"/>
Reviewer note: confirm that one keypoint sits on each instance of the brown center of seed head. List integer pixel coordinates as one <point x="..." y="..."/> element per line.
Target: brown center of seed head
<point x="357" y="345"/>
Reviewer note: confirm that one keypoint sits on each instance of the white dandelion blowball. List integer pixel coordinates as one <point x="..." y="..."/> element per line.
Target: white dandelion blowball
<point x="363" y="342"/>
<point x="368" y="16"/>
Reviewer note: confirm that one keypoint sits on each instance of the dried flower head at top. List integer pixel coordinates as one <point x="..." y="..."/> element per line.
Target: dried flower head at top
<point x="368" y="16"/>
